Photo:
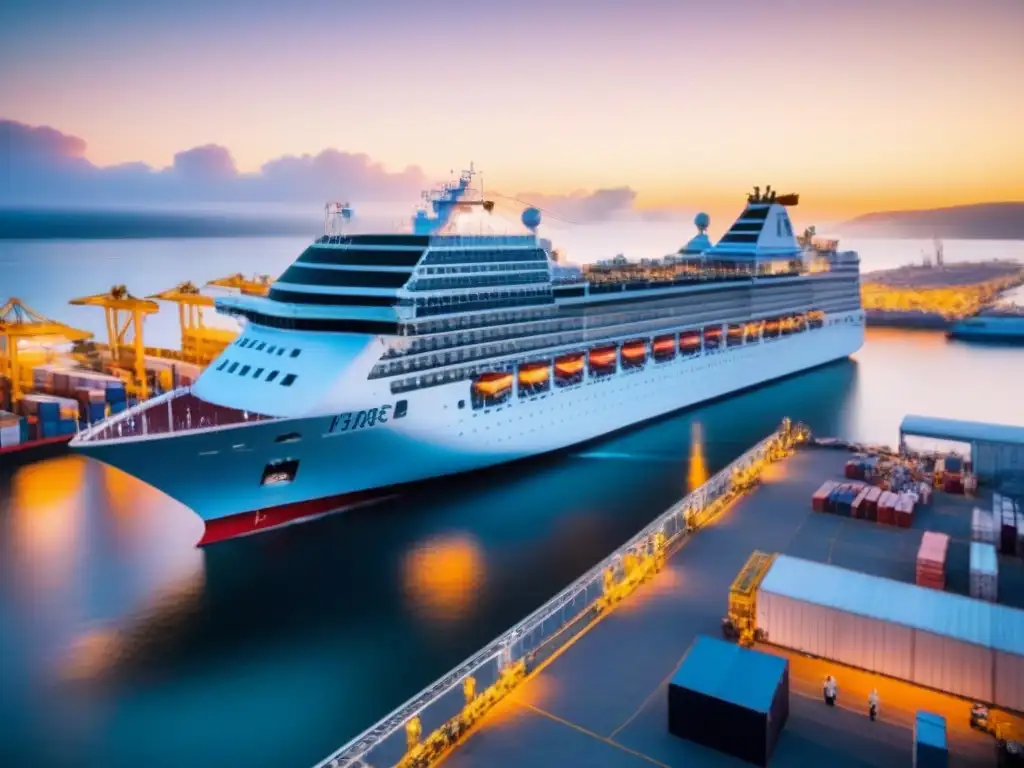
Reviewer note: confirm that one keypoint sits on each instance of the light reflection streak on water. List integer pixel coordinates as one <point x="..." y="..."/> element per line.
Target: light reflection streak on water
<point x="698" y="473"/>
<point x="89" y="561"/>
<point x="442" y="576"/>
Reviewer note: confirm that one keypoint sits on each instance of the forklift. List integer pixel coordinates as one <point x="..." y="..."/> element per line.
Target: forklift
<point x="740" y="623"/>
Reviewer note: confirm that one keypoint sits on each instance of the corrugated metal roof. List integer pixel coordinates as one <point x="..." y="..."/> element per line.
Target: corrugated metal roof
<point x="984" y="558"/>
<point x="726" y="671"/>
<point x="929" y="610"/>
<point x="964" y="431"/>
<point x="930" y="729"/>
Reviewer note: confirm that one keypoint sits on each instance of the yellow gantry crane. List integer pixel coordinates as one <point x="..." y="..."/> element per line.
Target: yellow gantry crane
<point x="125" y="315"/>
<point x="257" y="285"/>
<point x="19" y="325"/>
<point x="199" y="344"/>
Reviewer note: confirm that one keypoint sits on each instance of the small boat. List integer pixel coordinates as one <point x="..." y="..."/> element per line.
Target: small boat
<point x="531" y="374"/>
<point x="492" y="383"/>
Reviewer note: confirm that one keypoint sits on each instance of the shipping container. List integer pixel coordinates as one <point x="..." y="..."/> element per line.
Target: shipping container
<point x="859" y="508"/>
<point x="887" y="508"/>
<point x="10" y="429"/>
<point x="930" y="749"/>
<point x="936" y="639"/>
<point x="984" y="576"/>
<point x="819" y="501"/>
<point x="731" y="699"/>
<point x="931" y="560"/>
<point x="983" y="527"/>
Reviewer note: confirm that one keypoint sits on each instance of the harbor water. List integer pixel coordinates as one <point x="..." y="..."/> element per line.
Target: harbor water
<point x="121" y="644"/>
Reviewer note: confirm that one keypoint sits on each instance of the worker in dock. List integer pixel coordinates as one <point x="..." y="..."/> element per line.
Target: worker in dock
<point x="831" y="691"/>
<point x="873" y="704"/>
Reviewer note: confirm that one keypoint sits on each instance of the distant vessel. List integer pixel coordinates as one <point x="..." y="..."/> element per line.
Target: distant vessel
<point x="378" y="360"/>
<point x="1003" y="323"/>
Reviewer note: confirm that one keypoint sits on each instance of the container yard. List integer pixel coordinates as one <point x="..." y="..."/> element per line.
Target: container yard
<point x="877" y="605"/>
<point x="935" y="295"/>
<point x="55" y="380"/>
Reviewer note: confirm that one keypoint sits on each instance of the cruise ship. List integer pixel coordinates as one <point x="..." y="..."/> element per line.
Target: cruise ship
<point x="381" y="360"/>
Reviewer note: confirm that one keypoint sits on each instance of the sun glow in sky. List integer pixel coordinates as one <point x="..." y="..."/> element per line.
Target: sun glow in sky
<point x="859" y="106"/>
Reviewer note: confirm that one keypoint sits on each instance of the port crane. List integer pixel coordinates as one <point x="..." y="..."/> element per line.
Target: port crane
<point x="257" y="285"/>
<point x="199" y="343"/>
<point x="125" y="315"/>
<point x="20" y="325"/>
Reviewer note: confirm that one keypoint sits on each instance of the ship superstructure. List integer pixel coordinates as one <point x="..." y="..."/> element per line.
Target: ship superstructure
<point x="378" y="360"/>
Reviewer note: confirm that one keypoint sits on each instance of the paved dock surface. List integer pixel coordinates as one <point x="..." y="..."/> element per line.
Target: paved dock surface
<point x="602" y="700"/>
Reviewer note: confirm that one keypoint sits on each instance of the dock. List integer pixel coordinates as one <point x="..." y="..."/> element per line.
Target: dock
<point x="603" y="700"/>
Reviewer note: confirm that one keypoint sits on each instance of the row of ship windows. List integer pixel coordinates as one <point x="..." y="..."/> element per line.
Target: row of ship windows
<point x="439" y="283"/>
<point x="690" y="343"/>
<point x="473" y="257"/>
<point x="481" y="268"/>
<point x="474" y="302"/>
<point x="258" y="346"/>
<point x="229" y="367"/>
<point x="510" y="326"/>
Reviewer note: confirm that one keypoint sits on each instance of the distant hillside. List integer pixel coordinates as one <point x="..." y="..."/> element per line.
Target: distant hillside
<point x="986" y="221"/>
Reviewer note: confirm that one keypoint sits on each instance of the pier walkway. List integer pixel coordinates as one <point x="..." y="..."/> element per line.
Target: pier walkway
<point x="601" y="700"/>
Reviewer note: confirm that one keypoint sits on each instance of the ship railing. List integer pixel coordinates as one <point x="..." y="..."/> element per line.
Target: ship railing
<point x="171" y="413"/>
<point x="547" y="629"/>
<point x="107" y="429"/>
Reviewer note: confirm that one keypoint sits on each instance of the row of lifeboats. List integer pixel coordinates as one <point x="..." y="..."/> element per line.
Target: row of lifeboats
<point x="536" y="377"/>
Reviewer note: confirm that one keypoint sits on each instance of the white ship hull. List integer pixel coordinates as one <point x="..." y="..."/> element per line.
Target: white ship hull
<point x="218" y="472"/>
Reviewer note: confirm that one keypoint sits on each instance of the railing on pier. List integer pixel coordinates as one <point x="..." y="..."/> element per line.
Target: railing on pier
<point x="446" y="708"/>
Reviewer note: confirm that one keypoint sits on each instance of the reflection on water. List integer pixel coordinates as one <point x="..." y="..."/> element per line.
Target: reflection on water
<point x="698" y="474"/>
<point x="442" y="577"/>
<point x="127" y="645"/>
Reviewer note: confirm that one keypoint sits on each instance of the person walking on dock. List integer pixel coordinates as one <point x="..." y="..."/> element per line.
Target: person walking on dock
<point x="873" y="704"/>
<point x="831" y="691"/>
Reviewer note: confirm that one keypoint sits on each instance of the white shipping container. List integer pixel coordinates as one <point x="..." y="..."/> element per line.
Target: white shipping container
<point x="10" y="434"/>
<point x="984" y="576"/>
<point x="983" y="527"/>
<point x="936" y="639"/>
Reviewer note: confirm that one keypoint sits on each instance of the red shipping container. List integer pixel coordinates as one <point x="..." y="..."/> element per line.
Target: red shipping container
<point x="953" y="484"/>
<point x="859" y="508"/>
<point x="886" y="508"/>
<point x="903" y="512"/>
<point x="819" y="501"/>
<point x="931" y="560"/>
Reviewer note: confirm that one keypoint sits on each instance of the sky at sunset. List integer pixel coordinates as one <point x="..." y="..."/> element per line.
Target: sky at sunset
<point x="859" y="106"/>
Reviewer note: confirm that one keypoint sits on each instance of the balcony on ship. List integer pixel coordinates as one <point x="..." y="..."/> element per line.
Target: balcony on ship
<point x="171" y="413"/>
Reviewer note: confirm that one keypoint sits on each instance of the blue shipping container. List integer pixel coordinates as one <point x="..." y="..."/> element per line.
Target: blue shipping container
<point x="118" y="407"/>
<point x="68" y="426"/>
<point x="97" y="412"/>
<point x="24" y="429"/>
<point x="730" y="699"/>
<point x="116" y="394"/>
<point x="48" y="429"/>
<point x="930" y="741"/>
<point x="49" y="412"/>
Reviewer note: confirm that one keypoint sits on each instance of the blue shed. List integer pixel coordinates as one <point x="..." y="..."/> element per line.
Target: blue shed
<point x="930" y="749"/>
<point x="731" y="699"/>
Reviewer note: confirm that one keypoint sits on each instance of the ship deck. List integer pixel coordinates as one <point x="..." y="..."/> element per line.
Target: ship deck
<point x="602" y="700"/>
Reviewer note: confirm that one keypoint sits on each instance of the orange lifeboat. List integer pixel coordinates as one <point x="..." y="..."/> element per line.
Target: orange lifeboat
<point x="664" y="344"/>
<point x="492" y="383"/>
<point x="634" y="350"/>
<point x="753" y="330"/>
<point x="602" y="357"/>
<point x="689" y="342"/>
<point x="532" y="374"/>
<point x="568" y="366"/>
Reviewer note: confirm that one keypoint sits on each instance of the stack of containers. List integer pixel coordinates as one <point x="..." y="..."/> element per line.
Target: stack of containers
<point x="819" y="501"/>
<point x="871" y="503"/>
<point x="983" y="527"/>
<point x="56" y="416"/>
<point x="116" y="398"/>
<point x="92" y="404"/>
<point x="984" y="571"/>
<point x="859" y="508"/>
<point x="903" y="511"/>
<point x="887" y="508"/>
<point x="930" y="750"/>
<point x="1008" y="527"/>
<point x="10" y="429"/>
<point x="931" y="560"/>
